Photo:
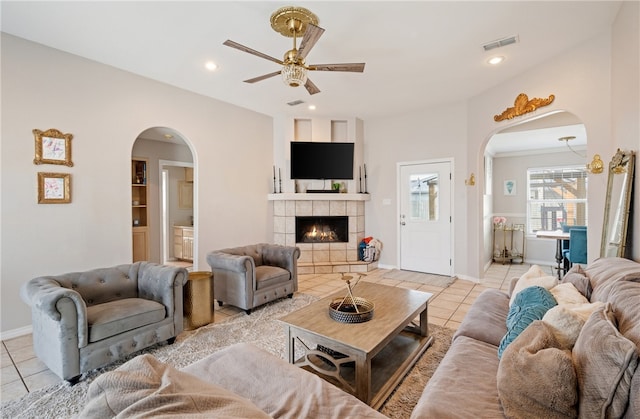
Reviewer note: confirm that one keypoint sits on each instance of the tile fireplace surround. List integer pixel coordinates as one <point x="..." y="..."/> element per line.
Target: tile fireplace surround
<point x="321" y="258"/>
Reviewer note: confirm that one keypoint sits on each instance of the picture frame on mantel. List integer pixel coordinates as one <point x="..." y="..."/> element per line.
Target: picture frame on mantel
<point x="52" y="147"/>
<point x="54" y="188"/>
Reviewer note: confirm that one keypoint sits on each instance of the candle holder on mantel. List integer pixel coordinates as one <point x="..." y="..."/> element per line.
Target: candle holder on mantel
<point x="350" y="309"/>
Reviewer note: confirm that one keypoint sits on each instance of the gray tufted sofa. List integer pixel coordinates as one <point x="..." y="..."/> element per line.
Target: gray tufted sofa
<point x="85" y="320"/>
<point x="249" y="276"/>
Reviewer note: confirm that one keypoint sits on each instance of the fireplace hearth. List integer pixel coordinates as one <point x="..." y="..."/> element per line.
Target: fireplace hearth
<point x="322" y="229"/>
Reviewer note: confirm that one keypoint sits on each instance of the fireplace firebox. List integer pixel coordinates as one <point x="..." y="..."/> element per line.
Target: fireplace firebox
<point x="322" y="229"/>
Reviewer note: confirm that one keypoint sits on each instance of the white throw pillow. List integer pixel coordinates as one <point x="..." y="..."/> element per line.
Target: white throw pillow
<point x="567" y="293"/>
<point x="585" y="310"/>
<point x="534" y="276"/>
<point x="567" y="321"/>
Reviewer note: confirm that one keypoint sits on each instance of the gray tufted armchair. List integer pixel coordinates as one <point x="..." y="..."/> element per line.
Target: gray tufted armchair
<point x="85" y="320"/>
<point x="250" y="276"/>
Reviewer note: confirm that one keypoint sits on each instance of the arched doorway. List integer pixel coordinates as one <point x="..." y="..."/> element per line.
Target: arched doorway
<point x="509" y="157"/>
<point x="170" y="197"/>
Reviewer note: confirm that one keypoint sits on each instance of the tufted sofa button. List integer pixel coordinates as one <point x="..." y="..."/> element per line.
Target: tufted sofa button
<point x="90" y="301"/>
<point x="102" y="281"/>
<point x="74" y="286"/>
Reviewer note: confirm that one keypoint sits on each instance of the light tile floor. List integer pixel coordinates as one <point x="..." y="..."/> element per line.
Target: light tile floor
<point x="22" y="372"/>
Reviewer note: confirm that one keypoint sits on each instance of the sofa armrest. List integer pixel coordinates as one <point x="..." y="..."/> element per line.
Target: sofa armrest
<point x="230" y="262"/>
<point x="46" y="297"/>
<point x="162" y="284"/>
<point x="284" y="257"/>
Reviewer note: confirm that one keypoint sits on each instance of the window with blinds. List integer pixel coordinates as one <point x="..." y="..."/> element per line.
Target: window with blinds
<point x="556" y="196"/>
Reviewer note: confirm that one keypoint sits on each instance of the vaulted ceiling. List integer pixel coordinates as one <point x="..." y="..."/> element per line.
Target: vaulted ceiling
<point x="417" y="53"/>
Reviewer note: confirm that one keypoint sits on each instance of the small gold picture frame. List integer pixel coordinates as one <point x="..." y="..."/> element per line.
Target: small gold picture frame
<point x="54" y="188"/>
<point x="52" y="147"/>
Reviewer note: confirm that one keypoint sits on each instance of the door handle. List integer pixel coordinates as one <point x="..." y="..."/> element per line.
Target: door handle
<point x="402" y="223"/>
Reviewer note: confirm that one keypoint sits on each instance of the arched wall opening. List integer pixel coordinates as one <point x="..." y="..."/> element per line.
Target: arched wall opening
<point x="171" y="202"/>
<point x="506" y="155"/>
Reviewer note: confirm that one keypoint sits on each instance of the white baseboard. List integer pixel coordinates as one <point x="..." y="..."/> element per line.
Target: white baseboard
<point x="465" y="277"/>
<point x="15" y="333"/>
<point x="468" y="278"/>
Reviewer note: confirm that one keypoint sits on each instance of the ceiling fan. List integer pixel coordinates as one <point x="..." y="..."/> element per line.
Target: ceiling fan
<point x="295" y="22"/>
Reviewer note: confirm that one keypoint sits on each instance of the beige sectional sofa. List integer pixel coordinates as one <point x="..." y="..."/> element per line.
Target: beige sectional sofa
<point x="240" y="381"/>
<point x="594" y="374"/>
<point x="471" y="382"/>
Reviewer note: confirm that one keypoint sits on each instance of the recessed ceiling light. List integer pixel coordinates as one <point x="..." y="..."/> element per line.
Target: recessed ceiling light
<point x="312" y="107"/>
<point x="168" y="136"/>
<point x="495" y="60"/>
<point x="211" y="66"/>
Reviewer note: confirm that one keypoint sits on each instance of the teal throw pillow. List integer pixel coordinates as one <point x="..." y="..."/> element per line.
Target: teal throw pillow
<point x="530" y="304"/>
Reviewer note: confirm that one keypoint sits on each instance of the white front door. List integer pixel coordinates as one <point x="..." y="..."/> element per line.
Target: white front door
<point x="425" y="217"/>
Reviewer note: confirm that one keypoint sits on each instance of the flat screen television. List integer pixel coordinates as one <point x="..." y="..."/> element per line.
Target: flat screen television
<point x="318" y="160"/>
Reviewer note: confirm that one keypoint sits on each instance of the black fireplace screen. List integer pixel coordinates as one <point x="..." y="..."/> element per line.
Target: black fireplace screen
<point x="324" y="229"/>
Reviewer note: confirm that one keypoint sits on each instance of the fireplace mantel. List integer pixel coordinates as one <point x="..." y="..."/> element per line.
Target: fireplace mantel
<point x="319" y="197"/>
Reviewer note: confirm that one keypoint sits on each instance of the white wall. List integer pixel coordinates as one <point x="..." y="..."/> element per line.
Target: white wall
<point x="432" y="133"/>
<point x="106" y="109"/>
<point x="625" y="86"/>
<point x="580" y="81"/>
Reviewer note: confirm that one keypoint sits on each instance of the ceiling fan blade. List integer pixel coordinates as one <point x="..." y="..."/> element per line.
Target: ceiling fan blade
<point x="241" y="47"/>
<point x="260" y="78"/>
<point x="353" y="67"/>
<point x="311" y="87"/>
<point x="311" y="36"/>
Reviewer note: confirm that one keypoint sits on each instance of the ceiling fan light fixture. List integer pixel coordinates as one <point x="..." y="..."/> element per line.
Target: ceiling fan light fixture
<point x="294" y="75"/>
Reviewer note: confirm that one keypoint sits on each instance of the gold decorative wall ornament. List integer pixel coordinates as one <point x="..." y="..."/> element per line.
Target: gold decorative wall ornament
<point x="471" y="181"/>
<point x="523" y="105"/>
<point x="52" y="147"/>
<point x="618" y="163"/>
<point x="596" y="166"/>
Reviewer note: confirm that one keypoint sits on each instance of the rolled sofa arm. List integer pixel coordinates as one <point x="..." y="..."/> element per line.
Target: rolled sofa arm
<point x="161" y="283"/>
<point x="230" y="262"/>
<point x="44" y="294"/>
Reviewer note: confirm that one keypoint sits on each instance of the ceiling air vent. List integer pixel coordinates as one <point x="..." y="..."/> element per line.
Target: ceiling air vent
<point x="295" y="102"/>
<point x="500" y="43"/>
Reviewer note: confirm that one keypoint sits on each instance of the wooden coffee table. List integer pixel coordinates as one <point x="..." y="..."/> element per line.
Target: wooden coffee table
<point x="365" y="359"/>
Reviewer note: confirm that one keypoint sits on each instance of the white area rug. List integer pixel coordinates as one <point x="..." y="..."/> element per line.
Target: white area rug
<point x="422" y="278"/>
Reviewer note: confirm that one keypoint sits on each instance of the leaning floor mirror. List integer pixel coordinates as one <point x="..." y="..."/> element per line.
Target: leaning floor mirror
<point x="615" y="235"/>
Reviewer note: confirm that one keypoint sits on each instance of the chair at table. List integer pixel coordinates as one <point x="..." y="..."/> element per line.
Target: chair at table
<point x="565" y="246"/>
<point x="577" y="251"/>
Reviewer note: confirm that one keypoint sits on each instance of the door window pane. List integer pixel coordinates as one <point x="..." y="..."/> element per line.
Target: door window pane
<point x="424" y="196"/>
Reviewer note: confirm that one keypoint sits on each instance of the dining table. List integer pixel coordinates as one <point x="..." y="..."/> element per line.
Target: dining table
<point x="559" y="236"/>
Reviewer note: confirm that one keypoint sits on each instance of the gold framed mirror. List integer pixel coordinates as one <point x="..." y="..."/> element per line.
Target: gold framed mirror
<point x="617" y="205"/>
